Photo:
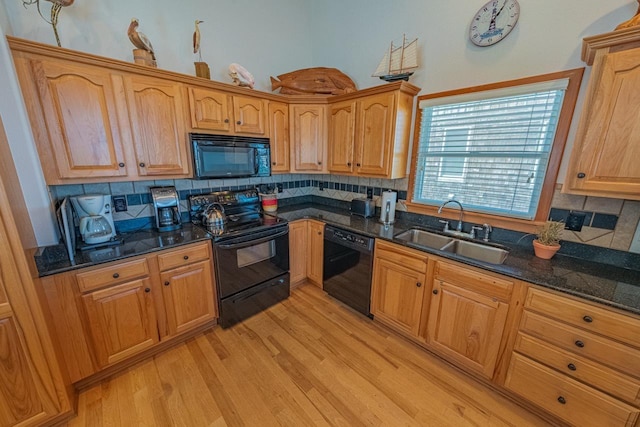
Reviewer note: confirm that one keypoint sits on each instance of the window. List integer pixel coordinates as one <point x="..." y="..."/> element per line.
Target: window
<point x="495" y="148"/>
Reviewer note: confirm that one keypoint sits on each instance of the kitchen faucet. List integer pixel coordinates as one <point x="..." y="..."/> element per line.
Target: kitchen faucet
<point x="459" y="226"/>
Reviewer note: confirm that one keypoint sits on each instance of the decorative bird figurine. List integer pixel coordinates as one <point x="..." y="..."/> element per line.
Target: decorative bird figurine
<point x="138" y="39"/>
<point x="196" y="39"/>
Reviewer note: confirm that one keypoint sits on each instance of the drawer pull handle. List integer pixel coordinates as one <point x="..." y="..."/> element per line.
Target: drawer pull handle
<point x="226" y="120"/>
<point x="571" y="367"/>
<point x="579" y="344"/>
<point x="142" y="164"/>
<point x="238" y="122"/>
<point x="186" y="257"/>
<point x="435" y="292"/>
<point x="121" y="164"/>
<point x="167" y="283"/>
<point x="116" y="275"/>
<point x="418" y="284"/>
<point x="562" y="400"/>
<point x="147" y="290"/>
<point x="588" y="319"/>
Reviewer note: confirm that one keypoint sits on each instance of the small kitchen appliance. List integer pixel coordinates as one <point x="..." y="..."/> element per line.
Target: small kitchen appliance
<point x="166" y="206"/>
<point x="388" y="207"/>
<point x="95" y="220"/>
<point x="363" y="207"/>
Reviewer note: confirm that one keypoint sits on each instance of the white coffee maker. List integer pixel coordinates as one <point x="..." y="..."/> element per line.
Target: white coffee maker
<point x="95" y="218"/>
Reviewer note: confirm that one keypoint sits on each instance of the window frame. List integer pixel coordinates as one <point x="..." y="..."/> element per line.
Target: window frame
<point x="574" y="78"/>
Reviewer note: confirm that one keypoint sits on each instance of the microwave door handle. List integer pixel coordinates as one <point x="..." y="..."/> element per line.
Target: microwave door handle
<point x="256" y="166"/>
<point x="252" y="242"/>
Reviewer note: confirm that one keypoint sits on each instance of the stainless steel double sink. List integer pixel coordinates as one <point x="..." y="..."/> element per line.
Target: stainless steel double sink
<point x="464" y="248"/>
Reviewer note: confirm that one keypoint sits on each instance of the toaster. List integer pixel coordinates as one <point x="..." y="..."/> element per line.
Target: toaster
<point x="363" y="207"/>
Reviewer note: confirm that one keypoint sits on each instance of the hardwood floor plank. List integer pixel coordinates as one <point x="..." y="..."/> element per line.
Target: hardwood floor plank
<point x="307" y="361"/>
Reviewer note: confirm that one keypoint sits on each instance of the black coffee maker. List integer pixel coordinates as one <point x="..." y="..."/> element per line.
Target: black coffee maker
<point x="166" y="206"/>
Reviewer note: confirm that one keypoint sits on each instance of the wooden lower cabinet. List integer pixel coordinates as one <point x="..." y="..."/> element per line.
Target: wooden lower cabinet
<point x="398" y="284"/>
<point x="121" y="320"/>
<point x="315" y="251"/>
<point x="298" y="238"/>
<point x="148" y="300"/>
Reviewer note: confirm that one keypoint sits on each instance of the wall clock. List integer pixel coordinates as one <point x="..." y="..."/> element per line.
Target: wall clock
<point x="493" y="22"/>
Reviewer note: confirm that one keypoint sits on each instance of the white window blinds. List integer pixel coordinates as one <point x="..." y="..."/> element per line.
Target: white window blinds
<point x="488" y="150"/>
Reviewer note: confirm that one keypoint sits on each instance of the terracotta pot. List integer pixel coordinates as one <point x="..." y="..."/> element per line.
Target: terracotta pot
<point x="544" y="251"/>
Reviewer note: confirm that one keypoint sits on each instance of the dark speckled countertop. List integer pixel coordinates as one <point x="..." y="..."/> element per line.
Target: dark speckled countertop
<point x="53" y="259"/>
<point x="616" y="286"/>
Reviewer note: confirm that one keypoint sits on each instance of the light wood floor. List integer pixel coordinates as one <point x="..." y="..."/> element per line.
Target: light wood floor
<point x="307" y="361"/>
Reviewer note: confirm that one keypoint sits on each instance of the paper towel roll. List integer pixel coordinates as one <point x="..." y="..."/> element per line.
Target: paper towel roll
<point x="389" y="197"/>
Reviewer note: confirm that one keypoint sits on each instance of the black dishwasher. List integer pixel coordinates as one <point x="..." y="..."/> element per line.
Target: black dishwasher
<point x="348" y="264"/>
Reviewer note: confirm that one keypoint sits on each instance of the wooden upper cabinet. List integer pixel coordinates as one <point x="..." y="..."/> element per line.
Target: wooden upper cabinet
<point x="369" y="131"/>
<point x="210" y="109"/>
<point x="81" y="122"/>
<point x="607" y="144"/>
<point x="250" y="115"/>
<point x="279" y="136"/>
<point x="156" y="113"/>
<point x="341" y="137"/>
<point x="308" y="129"/>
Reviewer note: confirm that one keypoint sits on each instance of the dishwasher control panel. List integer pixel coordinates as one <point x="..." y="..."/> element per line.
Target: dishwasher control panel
<point x="353" y="239"/>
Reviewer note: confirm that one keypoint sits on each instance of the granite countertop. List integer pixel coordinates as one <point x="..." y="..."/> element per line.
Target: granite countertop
<point x="54" y="259"/>
<point x="613" y="285"/>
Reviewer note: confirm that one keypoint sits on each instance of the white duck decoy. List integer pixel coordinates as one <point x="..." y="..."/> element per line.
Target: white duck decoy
<point x="138" y="39"/>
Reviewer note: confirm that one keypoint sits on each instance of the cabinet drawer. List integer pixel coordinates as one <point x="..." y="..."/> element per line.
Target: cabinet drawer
<point x="567" y="399"/>
<point x="406" y="257"/>
<point x="470" y="278"/>
<point x="586" y="316"/>
<point x="112" y="274"/>
<point x="585" y="370"/>
<point x="584" y="343"/>
<point x="184" y="256"/>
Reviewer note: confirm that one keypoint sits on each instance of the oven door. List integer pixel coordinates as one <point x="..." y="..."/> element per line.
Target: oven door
<point x="249" y="260"/>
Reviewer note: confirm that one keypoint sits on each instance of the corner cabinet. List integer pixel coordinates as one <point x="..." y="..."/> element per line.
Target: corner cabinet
<point x="369" y="131"/>
<point x="315" y="251"/>
<point x="607" y="144"/>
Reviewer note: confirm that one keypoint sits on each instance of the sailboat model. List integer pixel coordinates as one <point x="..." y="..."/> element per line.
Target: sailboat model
<point x="399" y="61"/>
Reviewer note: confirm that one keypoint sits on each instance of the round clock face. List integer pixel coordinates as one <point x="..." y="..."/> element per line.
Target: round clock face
<point x="493" y="22"/>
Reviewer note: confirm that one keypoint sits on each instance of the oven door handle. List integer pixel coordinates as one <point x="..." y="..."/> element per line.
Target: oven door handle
<point x="252" y="242"/>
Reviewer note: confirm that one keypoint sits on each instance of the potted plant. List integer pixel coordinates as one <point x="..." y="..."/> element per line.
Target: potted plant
<point x="548" y="239"/>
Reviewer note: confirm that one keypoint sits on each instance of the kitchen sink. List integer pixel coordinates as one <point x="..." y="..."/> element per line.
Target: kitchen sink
<point x="464" y="248"/>
<point x="477" y="251"/>
<point x="424" y="238"/>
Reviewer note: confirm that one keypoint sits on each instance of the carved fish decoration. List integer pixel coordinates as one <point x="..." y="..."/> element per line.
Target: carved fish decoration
<point x="317" y="80"/>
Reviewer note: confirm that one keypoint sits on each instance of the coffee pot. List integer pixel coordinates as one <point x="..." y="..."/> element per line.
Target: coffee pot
<point x="214" y="218"/>
<point x="95" y="220"/>
<point x="166" y="206"/>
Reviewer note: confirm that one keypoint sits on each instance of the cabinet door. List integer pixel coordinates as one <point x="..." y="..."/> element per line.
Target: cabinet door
<point x="249" y="115"/>
<point x="315" y="252"/>
<point x="466" y="326"/>
<point x="298" y="250"/>
<point x="308" y="127"/>
<point x="210" y="109"/>
<point x="279" y="134"/>
<point x="122" y="320"/>
<point x="158" y="126"/>
<point x="78" y="104"/>
<point x="188" y="296"/>
<point x="341" y="137"/>
<point x="397" y="294"/>
<point x="605" y="158"/>
<point x="374" y="134"/>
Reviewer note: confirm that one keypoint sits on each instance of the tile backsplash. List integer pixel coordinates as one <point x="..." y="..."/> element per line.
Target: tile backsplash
<point x="609" y="223"/>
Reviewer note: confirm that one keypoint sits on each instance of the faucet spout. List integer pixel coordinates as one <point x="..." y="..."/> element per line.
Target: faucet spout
<point x="459" y="226"/>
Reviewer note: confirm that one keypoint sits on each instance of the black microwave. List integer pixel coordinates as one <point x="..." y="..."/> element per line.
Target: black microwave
<point x="225" y="156"/>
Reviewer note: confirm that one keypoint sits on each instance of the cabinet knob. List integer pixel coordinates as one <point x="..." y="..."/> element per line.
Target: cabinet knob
<point x="581" y="175"/>
<point x="167" y="283"/>
<point x="571" y="367"/>
<point x="273" y="163"/>
<point x="226" y="120"/>
<point x="141" y="165"/>
<point x="116" y="275"/>
<point x="418" y="284"/>
<point x="349" y="164"/>
<point x="579" y="344"/>
<point x="147" y="290"/>
<point x="319" y="233"/>
<point x="358" y="164"/>
<point x="238" y="122"/>
<point x="186" y="257"/>
<point x="319" y="163"/>
<point x="121" y="165"/>
<point x="435" y="292"/>
<point x="588" y="319"/>
<point x="562" y="400"/>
